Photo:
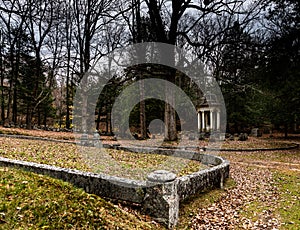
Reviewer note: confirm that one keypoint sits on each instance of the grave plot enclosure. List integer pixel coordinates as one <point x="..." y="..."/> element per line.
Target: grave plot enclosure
<point x="159" y="195"/>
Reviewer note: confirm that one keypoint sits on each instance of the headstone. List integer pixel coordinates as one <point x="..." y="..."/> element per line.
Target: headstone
<point x="254" y="132"/>
<point x="243" y="137"/>
<point x="191" y="137"/>
<point x="96" y="139"/>
<point x="136" y="136"/>
<point x="259" y="133"/>
<point x="116" y="146"/>
<point x="84" y="139"/>
<point x="201" y="136"/>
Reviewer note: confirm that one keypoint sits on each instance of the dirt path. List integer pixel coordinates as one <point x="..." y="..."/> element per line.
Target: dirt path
<point x="252" y="184"/>
<point x="270" y="165"/>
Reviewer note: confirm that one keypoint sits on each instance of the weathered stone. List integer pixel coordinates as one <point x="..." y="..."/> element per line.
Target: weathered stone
<point x="254" y="132"/>
<point x="201" y="136"/>
<point x="243" y="137"/>
<point x="96" y="140"/>
<point x="161" y="176"/>
<point x="159" y="195"/>
<point x="162" y="200"/>
<point x="84" y="139"/>
<point x="231" y="138"/>
<point x="191" y="137"/>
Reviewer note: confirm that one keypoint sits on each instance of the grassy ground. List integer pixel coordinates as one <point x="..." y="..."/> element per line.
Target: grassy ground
<point x="288" y="184"/>
<point x="262" y="193"/>
<point x="108" y="161"/>
<point x="285" y="205"/>
<point x="254" y="142"/>
<point x="39" y="133"/>
<point x="31" y="201"/>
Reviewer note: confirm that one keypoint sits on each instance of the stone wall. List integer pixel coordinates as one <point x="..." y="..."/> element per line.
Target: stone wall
<point x="159" y="195"/>
<point x="99" y="184"/>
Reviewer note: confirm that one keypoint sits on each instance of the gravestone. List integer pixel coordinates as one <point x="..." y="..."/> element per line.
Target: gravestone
<point x="243" y="137"/>
<point x="254" y="132"/>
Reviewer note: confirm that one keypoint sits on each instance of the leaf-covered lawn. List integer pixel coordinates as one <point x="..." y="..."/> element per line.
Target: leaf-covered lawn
<point x="252" y="142"/>
<point x="139" y="165"/>
<point x="284" y="157"/>
<point x="31" y="201"/>
<point x="44" y="152"/>
<point x="37" y="133"/>
<point x="262" y="193"/>
<point x="288" y="184"/>
<point x="255" y="143"/>
<point x="108" y="161"/>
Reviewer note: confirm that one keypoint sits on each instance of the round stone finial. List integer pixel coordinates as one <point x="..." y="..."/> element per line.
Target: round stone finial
<point x="161" y="176"/>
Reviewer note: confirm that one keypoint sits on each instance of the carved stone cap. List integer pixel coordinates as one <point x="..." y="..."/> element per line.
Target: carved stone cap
<point x="161" y="176"/>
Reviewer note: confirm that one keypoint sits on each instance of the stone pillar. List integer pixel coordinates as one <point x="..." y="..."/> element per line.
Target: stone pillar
<point x="161" y="199"/>
<point x="203" y="121"/>
<point x="211" y="113"/>
<point x="218" y="120"/>
<point x="199" y="122"/>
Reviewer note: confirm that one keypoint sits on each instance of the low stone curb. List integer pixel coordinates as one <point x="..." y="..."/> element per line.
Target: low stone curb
<point x="292" y="146"/>
<point x="99" y="184"/>
<point x="159" y="198"/>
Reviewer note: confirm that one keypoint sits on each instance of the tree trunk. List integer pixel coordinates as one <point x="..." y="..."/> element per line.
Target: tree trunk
<point x="170" y="115"/>
<point x="68" y="122"/>
<point x="2" y="82"/>
<point x="39" y="117"/>
<point x="110" y="124"/>
<point x="45" y="119"/>
<point x="15" y="92"/>
<point x="8" y="112"/>
<point x="98" y="119"/>
<point x="142" y="110"/>
<point x="107" y="122"/>
<point x="15" y="106"/>
<point x="29" y="117"/>
<point x="285" y="131"/>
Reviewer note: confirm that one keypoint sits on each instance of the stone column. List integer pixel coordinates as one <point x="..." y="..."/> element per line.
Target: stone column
<point x="218" y="120"/>
<point x="211" y="113"/>
<point x="199" y="122"/>
<point x="161" y="199"/>
<point x="203" y="121"/>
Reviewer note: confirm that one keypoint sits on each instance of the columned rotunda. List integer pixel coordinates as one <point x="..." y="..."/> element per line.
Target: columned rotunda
<point x="209" y="114"/>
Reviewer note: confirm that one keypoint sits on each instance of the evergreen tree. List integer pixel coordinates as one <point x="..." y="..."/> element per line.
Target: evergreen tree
<point x="280" y="70"/>
<point x="235" y="75"/>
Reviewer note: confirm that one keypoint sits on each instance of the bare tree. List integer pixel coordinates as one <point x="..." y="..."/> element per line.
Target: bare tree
<point x="12" y="31"/>
<point x="89" y="20"/>
<point x="2" y="72"/>
<point x="39" y="19"/>
<point x="177" y="19"/>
